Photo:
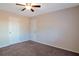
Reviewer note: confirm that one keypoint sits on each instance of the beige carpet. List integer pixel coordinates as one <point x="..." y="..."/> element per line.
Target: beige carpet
<point x="31" y="48"/>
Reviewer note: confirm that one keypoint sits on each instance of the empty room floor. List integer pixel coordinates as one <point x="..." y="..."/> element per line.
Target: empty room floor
<point x="31" y="48"/>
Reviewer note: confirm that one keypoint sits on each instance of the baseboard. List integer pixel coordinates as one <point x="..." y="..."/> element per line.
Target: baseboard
<point x="9" y="44"/>
<point x="55" y="46"/>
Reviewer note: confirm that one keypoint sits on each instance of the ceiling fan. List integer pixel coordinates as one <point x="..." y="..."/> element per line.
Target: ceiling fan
<point x="28" y="6"/>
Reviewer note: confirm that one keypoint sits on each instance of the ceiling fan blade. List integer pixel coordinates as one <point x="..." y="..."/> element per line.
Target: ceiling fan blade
<point x="19" y="4"/>
<point x="36" y="6"/>
<point x="32" y="10"/>
<point x="23" y="9"/>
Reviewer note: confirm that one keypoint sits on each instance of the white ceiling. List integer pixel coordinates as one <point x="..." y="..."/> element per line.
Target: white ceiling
<point x="45" y="8"/>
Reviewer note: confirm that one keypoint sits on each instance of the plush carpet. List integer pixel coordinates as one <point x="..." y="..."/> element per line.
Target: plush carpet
<point x="31" y="48"/>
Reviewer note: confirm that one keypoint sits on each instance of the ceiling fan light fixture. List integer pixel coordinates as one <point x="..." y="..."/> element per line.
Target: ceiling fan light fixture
<point x="28" y="7"/>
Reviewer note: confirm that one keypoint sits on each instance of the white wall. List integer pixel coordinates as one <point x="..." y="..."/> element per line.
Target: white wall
<point x="17" y="25"/>
<point x="59" y="29"/>
<point x="33" y="29"/>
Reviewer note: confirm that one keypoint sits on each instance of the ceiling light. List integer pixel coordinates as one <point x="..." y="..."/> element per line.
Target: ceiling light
<point x="28" y="7"/>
